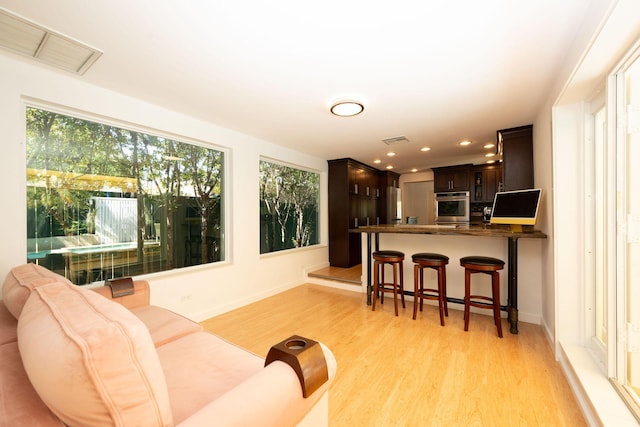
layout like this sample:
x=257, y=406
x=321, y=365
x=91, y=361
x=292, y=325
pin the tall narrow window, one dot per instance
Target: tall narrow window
x=289, y=207
x=632, y=303
x=627, y=373
x=104, y=201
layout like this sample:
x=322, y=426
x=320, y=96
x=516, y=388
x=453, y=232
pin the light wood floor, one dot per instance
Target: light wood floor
x=394, y=371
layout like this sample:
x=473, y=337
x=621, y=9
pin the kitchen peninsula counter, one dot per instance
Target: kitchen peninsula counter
x=479, y=230
x=456, y=241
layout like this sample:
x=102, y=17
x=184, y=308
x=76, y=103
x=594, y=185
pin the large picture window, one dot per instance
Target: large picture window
x=105, y=202
x=288, y=207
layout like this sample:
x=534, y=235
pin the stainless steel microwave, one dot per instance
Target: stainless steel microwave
x=452, y=207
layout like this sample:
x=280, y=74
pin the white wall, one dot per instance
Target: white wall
x=410, y=184
x=568, y=220
x=417, y=201
x=197, y=292
x=542, y=160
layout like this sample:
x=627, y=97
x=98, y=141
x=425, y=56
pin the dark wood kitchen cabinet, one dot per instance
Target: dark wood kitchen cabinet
x=354, y=194
x=516, y=145
x=451, y=178
x=486, y=181
x=389, y=194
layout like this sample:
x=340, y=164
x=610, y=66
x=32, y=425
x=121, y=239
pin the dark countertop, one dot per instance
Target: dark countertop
x=480, y=230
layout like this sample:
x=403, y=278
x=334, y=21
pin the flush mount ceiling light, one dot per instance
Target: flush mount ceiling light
x=347, y=108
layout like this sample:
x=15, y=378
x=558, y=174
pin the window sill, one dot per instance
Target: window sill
x=598, y=399
x=293, y=250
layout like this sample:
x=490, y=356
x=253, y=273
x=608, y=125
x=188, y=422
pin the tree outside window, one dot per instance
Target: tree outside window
x=288, y=207
x=106, y=202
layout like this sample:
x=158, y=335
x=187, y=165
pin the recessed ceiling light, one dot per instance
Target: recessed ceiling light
x=391, y=154
x=389, y=167
x=465, y=143
x=347, y=108
x=425, y=149
x=490, y=161
x=490, y=154
x=376, y=161
x=489, y=145
x=414, y=170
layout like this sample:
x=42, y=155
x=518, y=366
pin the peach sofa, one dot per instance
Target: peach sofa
x=72, y=356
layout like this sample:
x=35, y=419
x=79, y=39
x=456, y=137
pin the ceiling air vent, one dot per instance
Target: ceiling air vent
x=27, y=38
x=395, y=140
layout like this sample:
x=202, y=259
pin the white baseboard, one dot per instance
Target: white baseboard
x=221, y=309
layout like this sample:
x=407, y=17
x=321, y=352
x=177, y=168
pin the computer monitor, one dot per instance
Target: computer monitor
x=516, y=208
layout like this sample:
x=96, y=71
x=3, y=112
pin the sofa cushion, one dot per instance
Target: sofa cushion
x=91, y=360
x=212, y=368
x=165, y=325
x=19, y=402
x=21, y=280
x=8, y=325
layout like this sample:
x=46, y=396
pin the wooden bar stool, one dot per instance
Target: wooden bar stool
x=393, y=258
x=486, y=265
x=437, y=262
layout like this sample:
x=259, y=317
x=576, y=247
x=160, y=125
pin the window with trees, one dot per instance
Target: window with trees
x=289, y=207
x=105, y=202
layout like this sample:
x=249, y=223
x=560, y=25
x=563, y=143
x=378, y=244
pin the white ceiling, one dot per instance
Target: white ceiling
x=436, y=72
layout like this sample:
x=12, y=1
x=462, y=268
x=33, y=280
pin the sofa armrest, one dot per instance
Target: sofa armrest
x=271, y=397
x=140, y=297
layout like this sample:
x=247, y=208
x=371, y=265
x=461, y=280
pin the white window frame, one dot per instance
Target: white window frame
x=594, y=105
x=618, y=368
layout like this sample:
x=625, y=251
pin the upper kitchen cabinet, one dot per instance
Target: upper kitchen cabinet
x=516, y=145
x=363, y=180
x=486, y=180
x=451, y=178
